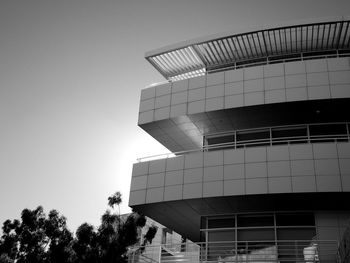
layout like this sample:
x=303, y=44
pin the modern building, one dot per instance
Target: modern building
x=258, y=123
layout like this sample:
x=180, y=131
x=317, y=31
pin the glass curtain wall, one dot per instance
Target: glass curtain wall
x=278, y=235
x=304, y=133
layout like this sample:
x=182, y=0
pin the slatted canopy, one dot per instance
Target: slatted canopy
x=194, y=58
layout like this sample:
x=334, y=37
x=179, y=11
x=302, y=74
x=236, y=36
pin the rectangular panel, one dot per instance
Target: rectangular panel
x=295, y=219
x=217, y=249
x=274, y=83
x=212, y=189
x=296, y=233
x=215, y=91
x=262, y=234
x=255, y=220
x=222, y=222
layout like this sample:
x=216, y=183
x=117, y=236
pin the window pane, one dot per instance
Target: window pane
x=221, y=222
x=296, y=239
x=220, y=139
x=255, y=220
x=290, y=251
x=253, y=135
x=262, y=234
x=289, y=132
x=222, y=235
x=254, y=240
x=225, y=247
x=331, y=129
x=296, y=233
x=290, y=219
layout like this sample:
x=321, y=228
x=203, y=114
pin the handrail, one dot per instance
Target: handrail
x=244, y=251
x=261, y=142
x=157, y=84
x=300, y=56
x=289, y=58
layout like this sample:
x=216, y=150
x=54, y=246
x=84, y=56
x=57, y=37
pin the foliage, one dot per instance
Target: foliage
x=148, y=237
x=4, y=258
x=36, y=238
x=115, y=199
x=41, y=238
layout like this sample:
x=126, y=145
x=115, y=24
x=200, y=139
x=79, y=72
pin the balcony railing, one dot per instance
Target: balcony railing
x=286, y=251
x=303, y=133
x=258, y=62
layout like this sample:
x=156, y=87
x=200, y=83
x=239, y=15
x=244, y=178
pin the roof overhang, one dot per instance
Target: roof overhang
x=194, y=57
x=184, y=216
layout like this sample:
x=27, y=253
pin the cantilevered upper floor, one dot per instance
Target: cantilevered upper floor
x=180, y=114
x=287, y=75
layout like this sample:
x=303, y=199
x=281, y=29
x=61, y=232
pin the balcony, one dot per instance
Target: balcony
x=178, y=114
x=310, y=172
x=282, y=251
x=268, y=136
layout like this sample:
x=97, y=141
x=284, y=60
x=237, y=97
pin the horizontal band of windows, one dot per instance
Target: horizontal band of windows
x=307, y=133
x=256, y=227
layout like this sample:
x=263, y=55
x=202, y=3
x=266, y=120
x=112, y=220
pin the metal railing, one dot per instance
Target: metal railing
x=301, y=56
x=268, y=141
x=286, y=251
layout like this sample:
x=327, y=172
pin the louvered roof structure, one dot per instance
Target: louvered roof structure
x=195, y=57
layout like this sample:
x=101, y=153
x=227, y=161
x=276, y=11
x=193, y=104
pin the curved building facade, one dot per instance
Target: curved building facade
x=258, y=123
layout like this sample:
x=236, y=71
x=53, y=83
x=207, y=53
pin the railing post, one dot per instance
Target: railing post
x=246, y=251
x=235, y=138
x=160, y=254
x=236, y=248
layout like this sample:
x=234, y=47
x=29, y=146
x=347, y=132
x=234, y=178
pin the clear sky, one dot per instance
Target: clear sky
x=71, y=72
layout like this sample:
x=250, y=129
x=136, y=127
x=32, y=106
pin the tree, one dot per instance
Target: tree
x=85, y=244
x=117, y=234
x=148, y=237
x=60, y=237
x=41, y=238
x=8, y=241
x=36, y=238
x=5, y=259
x=109, y=243
x=115, y=199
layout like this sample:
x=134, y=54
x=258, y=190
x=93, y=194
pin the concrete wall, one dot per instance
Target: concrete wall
x=319, y=167
x=292, y=81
